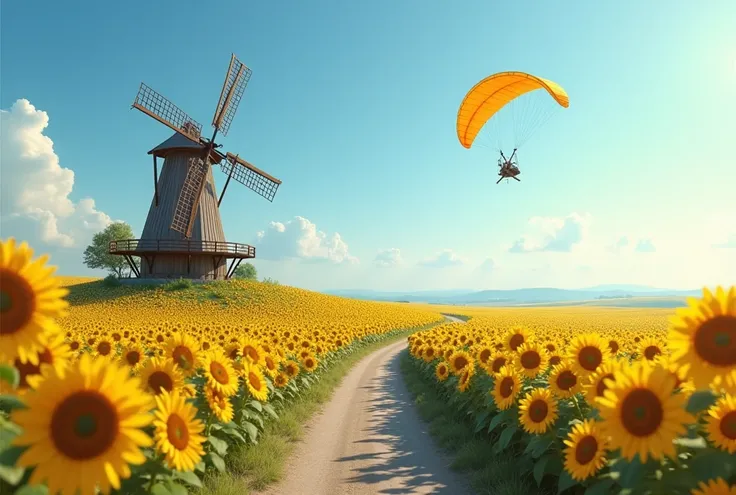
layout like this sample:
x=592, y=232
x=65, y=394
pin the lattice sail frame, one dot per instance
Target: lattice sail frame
x=191, y=189
x=160, y=108
x=232, y=104
x=251, y=177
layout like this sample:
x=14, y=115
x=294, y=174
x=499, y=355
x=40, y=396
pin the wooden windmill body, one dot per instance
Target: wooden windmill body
x=183, y=234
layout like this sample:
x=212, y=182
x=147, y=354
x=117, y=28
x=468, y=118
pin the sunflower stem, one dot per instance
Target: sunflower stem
x=577, y=406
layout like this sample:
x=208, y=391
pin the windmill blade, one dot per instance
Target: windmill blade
x=160, y=108
x=250, y=176
x=186, y=207
x=238, y=75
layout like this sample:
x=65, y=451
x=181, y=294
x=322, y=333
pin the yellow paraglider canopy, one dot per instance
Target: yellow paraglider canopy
x=493, y=93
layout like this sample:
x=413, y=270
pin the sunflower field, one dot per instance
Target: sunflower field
x=596, y=401
x=144, y=389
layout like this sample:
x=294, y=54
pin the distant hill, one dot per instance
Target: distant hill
x=605, y=294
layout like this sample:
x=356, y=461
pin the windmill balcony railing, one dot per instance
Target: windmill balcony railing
x=135, y=247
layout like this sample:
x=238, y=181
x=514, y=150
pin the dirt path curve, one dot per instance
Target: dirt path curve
x=369, y=440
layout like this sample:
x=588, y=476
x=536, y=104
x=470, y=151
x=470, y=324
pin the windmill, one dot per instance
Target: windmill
x=183, y=234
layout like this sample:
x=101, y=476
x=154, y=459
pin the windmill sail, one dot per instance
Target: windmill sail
x=191, y=191
x=238, y=75
x=250, y=176
x=160, y=108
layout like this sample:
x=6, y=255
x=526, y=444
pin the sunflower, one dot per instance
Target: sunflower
x=271, y=364
x=132, y=356
x=537, y=410
x=84, y=429
x=104, y=347
x=704, y=336
x=516, y=337
x=650, y=348
x=184, y=351
x=459, y=361
x=291, y=368
x=281, y=379
x=219, y=372
x=586, y=450
x=30, y=300
x=496, y=362
x=159, y=374
x=506, y=387
x=563, y=381
x=718, y=486
x=178, y=434
x=531, y=359
x=442, y=371
x=587, y=353
x=310, y=363
x=220, y=404
x=640, y=412
x=256, y=382
x=252, y=351
x=55, y=355
x=483, y=355
x=721, y=423
x=598, y=382
x=464, y=381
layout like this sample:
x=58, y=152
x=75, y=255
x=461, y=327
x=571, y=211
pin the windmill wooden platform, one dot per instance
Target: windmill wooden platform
x=183, y=235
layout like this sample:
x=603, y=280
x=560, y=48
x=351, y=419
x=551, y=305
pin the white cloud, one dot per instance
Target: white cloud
x=300, y=239
x=553, y=234
x=35, y=186
x=388, y=257
x=443, y=259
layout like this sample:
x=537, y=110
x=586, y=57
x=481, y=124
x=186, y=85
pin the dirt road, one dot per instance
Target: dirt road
x=369, y=440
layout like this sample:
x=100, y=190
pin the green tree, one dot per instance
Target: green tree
x=97, y=256
x=246, y=271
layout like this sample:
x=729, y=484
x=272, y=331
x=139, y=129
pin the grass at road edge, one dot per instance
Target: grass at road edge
x=256, y=466
x=472, y=454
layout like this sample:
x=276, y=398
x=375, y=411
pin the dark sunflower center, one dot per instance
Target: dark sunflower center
x=84, y=426
x=586, y=449
x=642, y=412
x=177, y=432
x=538, y=410
x=160, y=380
x=104, y=348
x=183, y=357
x=254, y=381
x=566, y=380
x=460, y=363
x=25, y=370
x=74, y=345
x=219, y=373
x=17, y=302
x=531, y=360
x=506, y=388
x=715, y=341
x=251, y=353
x=484, y=356
x=515, y=341
x=613, y=345
x=133, y=357
x=651, y=352
x=590, y=357
x=270, y=363
x=601, y=387
x=728, y=425
x=555, y=360
x=498, y=364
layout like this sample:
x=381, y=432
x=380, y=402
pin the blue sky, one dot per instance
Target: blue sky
x=353, y=106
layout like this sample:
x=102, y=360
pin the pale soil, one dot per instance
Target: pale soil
x=369, y=440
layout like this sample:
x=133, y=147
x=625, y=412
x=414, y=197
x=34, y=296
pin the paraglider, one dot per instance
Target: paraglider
x=500, y=91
